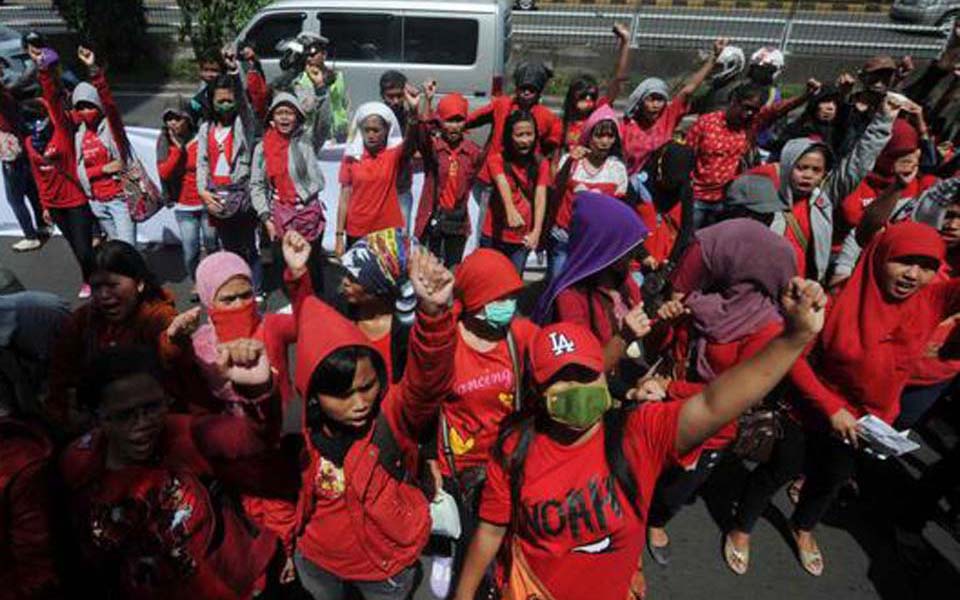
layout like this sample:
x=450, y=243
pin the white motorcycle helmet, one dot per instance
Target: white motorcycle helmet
x=730, y=63
x=771, y=58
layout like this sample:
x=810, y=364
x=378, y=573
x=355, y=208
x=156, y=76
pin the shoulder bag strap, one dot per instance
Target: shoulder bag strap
x=517, y=372
x=797, y=231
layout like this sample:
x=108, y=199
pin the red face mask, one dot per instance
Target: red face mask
x=87, y=116
x=236, y=322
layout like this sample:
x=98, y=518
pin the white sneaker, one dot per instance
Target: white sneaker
x=26, y=245
x=440, y=575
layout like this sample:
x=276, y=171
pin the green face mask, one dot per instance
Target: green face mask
x=225, y=108
x=579, y=407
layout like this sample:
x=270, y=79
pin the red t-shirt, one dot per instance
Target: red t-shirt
x=103, y=186
x=496, y=219
x=801, y=212
x=214, y=150
x=385, y=347
x=183, y=166
x=373, y=203
x=719, y=151
x=640, y=142
x=854, y=205
x=549, y=125
x=576, y=529
x=574, y=130
x=483, y=395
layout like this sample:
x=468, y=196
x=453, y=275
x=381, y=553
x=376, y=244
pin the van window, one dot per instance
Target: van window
x=271, y=30
x=363, y=37
x=440, y=41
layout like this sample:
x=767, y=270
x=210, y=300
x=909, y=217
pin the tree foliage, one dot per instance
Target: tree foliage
x=116, y=28
x=211, y=23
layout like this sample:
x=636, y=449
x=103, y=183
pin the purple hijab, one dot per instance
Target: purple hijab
x=603, y=231
x=746, y=266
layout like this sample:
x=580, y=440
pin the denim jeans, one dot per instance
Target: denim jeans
x=114, y=219
x=517, y=253
x=558, y=251
x=19, y=184
x=196, y=234
x=323, y=585
x=706, y=214
x=406, y=206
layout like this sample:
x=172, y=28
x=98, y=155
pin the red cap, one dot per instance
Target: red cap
x=484, y=276
x=562, y=344
x=451, y=106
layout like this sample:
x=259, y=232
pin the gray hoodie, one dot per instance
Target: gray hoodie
x=304, y=164
x=755, y=191
x=245, y=134
x=85, y=92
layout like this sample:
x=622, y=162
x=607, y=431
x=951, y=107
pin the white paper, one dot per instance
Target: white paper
x=883, y=439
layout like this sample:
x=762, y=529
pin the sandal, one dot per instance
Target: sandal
x=810, y=560
x=738, y=560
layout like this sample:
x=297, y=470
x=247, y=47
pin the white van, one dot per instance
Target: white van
x=464, y=45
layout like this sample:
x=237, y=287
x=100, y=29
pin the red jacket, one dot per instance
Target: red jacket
x=386, y=515
x=163, y=530
x=26, y=560
x=437, y=156
x=55, y=170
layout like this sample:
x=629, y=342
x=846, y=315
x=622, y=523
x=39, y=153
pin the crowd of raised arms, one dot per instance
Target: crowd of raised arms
x=730, y=276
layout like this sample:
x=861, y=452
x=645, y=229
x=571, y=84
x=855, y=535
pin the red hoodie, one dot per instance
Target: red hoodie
x=359, y=521
x=55, y=170
x=26, y=558
x=162, y=528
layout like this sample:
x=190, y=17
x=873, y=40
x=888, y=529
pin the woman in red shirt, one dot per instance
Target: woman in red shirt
x=572, y=477
x=878, y=324
x=489, y=359
x=732, y=300
x=177, y=167
x=514, y=223
x=372, y=161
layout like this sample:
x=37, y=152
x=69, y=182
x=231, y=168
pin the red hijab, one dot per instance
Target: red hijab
x=867, y=338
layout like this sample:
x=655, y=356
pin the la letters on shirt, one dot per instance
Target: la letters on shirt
x=574, y=519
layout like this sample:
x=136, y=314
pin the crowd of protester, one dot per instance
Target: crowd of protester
x=732, y=275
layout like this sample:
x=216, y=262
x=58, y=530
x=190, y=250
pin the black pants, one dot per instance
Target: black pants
x=677, y=486
x=448, y=248
x=829, y=464
x=76, y=224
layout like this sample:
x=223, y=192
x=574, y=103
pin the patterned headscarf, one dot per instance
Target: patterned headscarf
x=378, y=262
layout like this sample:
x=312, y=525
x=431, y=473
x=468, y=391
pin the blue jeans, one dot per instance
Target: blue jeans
x=706, y=214
x=517, y=253
x=196, y=234
x=114, y=219
x=19, y=184
x=558, y=252
x=916, y=401
x=406, y=206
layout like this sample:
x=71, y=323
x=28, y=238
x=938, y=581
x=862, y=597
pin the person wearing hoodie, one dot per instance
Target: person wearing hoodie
x=102, y=149
x=796, y=197
x=573, y=475
x=361, y=522
x=177, y=167
x=225, y=142
x=285, y=177
x=128, y=306
x=52, y=157
x=492, y=343
x=652, y=115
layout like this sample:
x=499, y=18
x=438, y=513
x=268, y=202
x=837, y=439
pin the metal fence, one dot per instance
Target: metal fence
x=40, y=15
x=803, y=28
